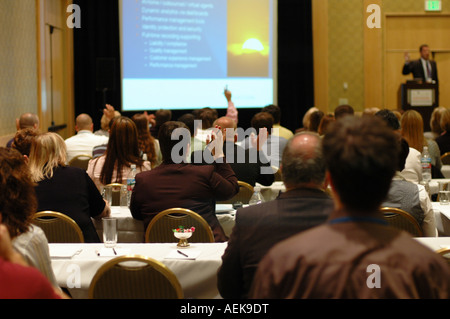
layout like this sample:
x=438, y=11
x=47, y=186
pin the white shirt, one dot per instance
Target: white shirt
x=83, y=143
x=413, y=169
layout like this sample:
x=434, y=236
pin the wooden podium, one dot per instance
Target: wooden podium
x=421, y=97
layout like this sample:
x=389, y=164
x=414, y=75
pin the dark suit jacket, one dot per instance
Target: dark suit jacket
x=187, y=186
x=260, y=227
x=415, y=67
x=245, y=164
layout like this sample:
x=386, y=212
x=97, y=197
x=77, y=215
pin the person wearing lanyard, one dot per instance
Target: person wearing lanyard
x=355, y=254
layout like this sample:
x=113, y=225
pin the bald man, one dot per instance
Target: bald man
x=85, y=140
x=26, y=120
x=305, y=204
x=246, y=167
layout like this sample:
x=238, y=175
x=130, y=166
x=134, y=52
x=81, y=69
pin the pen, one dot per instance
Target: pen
x=182, y=253
x=114, y=251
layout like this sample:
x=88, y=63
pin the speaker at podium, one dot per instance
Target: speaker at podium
x=421, y=97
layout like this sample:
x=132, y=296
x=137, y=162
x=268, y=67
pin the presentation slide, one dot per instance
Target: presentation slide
x=183, y=54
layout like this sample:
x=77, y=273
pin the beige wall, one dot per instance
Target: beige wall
x=18, y=76
x=25, y=73
x=346, y=51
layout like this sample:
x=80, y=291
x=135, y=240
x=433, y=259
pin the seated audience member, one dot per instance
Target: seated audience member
x=443, y=140
x=435, y=123
x=148, y=145
x=122, y=151
x=314, y=121
x=26, y=120
x=412, y=131
x=196, y=143
x=176, y=183
x=390, y=119
x=18, y=205
x=65, y=189
x=278, y=130
x=306, y=119
x=246, y=164
x=23, y=139
x=18, y=280
x=334, y=260
x=325, y=123
x=160, y=117
x=84, y=141
x=108, y=114
x=343, y=110
x=272, y=146
x=206, y=116
x=305, y=204
x=411, y=197
x=412, y=169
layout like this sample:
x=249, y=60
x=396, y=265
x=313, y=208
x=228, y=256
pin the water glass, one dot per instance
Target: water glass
x=109, y=231
x=123, y=196
x=107, y=194
x=444, y=197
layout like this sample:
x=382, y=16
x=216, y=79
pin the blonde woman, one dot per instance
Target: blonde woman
x=412, y=131
x=435, y=123
x=65, y=189
x=444, y=139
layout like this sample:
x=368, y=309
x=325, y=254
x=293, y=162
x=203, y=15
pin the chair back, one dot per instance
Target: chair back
x=58, y=228
x=445, y=253
x=445, y=158
x=400, y=219
x=115, y=193
x=160, y=228
x=81, y=161
x=134, y=277
x=243, y=196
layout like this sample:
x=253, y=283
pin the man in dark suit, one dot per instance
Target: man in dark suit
x=247, y=164
x=423, y=68
x=304, y=204
x=176, y=183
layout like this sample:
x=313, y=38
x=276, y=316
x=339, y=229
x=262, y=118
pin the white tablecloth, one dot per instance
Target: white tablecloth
x=434, y=243
x=197, y=277
x=442, y=216
x=130, y=230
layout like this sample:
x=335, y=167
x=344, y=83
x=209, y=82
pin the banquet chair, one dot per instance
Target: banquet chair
x=160, y=228
x=134, y=277
x=243, y=196
x=80, y=161
x=444, y=252
x=400, y=219
x=115, y=193
x=58, y=228
x=445, y=158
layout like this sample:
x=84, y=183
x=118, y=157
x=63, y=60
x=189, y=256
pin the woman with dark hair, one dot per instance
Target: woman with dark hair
x=65, y=189
x=18, y=203
x=148, y=145
x=122, y=151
